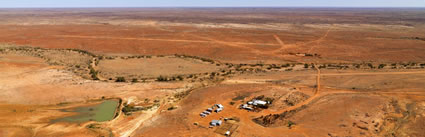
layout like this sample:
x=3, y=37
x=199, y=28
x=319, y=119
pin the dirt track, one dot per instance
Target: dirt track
x=317, y=42
x=237, y=36
x=318, y=94
x=170, y=40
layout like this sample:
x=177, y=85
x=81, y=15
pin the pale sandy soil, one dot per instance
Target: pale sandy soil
x=353, y=102
x=38, y=87
x=154, y=67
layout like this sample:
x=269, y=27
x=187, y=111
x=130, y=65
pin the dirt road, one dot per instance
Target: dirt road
x=153, y=39
x=318, y=41
x=318, y=94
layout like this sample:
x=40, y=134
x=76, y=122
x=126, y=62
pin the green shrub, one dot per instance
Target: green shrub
x=93, y=73
x=171, y=108
x=127, y=109
x=290, y=123
x=381, y=66
x=180, y=77
x=161, y=78
x=305, y=65
x=370, y=65
x=120, y=79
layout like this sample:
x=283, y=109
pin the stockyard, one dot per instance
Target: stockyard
x=89, y=73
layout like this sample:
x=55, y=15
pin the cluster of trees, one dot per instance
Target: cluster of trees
x=182, y=94
x=120, y=79
x=82, y=52
x=127, y=109
x=173, y=78
x=195, y=57
x=93, y=73
x=128, y=57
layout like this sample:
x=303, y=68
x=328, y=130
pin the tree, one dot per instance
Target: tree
x=134, y=80
x=370, y=65
x=180, y=77
x=93, y=73
x=120, y=79
x=161, y=78
x=381, y=66
x=290, y=123
x=171, y=108
x=305, y=65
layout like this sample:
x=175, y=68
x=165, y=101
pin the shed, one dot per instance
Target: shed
x=259, y=102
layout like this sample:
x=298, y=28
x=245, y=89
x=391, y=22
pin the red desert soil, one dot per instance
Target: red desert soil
x=269, y=35
x=320, y=102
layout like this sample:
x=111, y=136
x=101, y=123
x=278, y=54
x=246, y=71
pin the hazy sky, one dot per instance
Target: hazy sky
x=212, y=3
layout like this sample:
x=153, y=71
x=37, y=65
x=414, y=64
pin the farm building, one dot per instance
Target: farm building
x=258, y=102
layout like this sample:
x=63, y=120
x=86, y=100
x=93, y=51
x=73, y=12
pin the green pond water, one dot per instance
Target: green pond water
x=104, y=111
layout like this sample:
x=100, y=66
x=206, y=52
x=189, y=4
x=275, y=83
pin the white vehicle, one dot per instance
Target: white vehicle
x=215, y=122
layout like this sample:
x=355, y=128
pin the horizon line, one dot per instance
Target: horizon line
x=212, y=7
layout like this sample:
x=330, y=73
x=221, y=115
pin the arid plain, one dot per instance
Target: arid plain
x=324, y=72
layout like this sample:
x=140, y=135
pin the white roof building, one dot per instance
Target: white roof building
x=259, y=102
